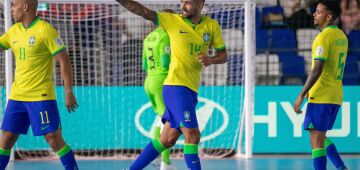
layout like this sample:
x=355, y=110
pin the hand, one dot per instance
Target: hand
x=204, y=59
x=297, y=104
x=70, y=101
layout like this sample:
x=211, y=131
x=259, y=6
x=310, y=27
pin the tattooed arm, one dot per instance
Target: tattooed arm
x=138, y=9
x=311, y=80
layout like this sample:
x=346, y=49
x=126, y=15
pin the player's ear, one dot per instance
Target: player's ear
x=329, y=17
x=26, y=7
x=202, y=3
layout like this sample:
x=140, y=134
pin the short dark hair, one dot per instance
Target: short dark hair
x=333, y=6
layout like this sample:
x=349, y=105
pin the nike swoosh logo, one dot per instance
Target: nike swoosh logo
x=44, y=127
x=183, y=32
x=194, y=162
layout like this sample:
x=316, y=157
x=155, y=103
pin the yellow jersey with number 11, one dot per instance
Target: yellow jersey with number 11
x=33, y=49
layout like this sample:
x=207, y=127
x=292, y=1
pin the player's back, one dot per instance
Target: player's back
x=156, y=52
x=331, y=45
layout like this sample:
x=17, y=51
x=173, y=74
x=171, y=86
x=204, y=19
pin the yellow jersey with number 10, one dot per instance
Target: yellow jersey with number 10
x=33, y=49
x=331, y=45
x=187, y=41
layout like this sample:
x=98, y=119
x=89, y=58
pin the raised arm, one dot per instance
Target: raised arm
x=138, y=9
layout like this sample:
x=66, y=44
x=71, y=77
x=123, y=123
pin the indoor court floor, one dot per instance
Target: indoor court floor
x=268, y=162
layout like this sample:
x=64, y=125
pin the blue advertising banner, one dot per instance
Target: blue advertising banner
x=122, y=118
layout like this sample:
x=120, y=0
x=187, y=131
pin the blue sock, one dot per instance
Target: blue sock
x=4, y=158
x=191, y=156
x=151, y=151
x=319, y=159
x=67, y=158
x=334, y=155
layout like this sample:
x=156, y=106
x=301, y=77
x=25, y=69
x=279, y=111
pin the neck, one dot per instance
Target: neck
x=28, y=20
x=196, y=19
x=326, y=25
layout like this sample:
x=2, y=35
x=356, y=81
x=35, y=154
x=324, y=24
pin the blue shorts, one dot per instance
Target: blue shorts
x=320, y=117
x=180, y=104
x=42, y=115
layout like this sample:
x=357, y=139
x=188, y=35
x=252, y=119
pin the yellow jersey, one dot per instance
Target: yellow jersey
x=331, y=45
x=33, y=49
x=187, y=41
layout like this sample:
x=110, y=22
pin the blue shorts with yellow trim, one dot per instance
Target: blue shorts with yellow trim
x=43, y=116
x=320, y=117
x=180, y=103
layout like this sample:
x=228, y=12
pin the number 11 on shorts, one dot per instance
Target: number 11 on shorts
x=42, y=117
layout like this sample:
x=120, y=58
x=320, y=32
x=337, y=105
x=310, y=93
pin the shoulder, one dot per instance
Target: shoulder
x=169, y=15
x=341, y=33
x=149, y=35
x=209, y=21
x=46, y=26
x=212, y=24
x=14, y=27
x=323, y=36
x=162, y=33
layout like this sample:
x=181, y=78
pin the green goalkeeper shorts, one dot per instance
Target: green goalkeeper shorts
x=153, y=87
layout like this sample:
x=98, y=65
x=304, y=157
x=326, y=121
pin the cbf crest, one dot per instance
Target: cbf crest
x=32, y=40
x=187, y=116
x=206, y=37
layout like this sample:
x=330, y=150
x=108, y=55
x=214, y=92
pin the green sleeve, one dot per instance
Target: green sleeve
x=157, y=22
x=165, y=51
x=144, y=60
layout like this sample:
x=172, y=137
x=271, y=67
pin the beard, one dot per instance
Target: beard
x=187, y=14
x=317, y=24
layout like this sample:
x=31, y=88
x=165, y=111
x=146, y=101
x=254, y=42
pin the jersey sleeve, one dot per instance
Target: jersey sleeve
x=321, y=48
x=53, y=41
x=164, y=20
x=4, y=41
x=165, y=51
x=218, y=41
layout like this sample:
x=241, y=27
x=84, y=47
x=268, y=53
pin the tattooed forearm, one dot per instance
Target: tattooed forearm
x=313, y=77
x=138, y=9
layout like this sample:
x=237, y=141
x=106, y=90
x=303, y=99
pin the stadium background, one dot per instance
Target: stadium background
x=284, y=35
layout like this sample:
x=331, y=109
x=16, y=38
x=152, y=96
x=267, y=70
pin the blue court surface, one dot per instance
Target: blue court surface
x=268, y=162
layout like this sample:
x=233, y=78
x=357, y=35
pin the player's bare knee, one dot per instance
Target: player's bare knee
x=168, y=142
x=318, y=144
x=192, y=136
x=8, y=139
x=55, y=140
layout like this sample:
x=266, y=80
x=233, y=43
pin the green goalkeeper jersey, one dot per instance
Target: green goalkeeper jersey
x=156, y=52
